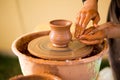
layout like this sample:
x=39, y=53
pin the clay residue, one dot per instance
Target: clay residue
x=89, y=36
x=22, y=45
x=96, y=49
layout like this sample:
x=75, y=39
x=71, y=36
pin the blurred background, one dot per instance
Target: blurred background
x=18, y=17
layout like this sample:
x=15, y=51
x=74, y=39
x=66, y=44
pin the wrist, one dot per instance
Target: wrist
x=112, y=32
x=105, y=31
x=91, y=3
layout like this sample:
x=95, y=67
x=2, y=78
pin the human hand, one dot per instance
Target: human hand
x=96, y=35
x=88, y=12
x=92, y=36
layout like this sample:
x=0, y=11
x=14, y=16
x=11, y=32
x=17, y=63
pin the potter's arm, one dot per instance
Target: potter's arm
x=108, y=30
x=111, y=30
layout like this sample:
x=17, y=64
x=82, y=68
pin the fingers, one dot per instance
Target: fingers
x=94, y=38
x=81, y=21
x=96, y=20
x=78, y=19
x=89, y=30
x=86, y=20
x=83, y=18
x=78, y=31
x=99, y=28
x=87, y=42
x=76, y=34
x=91, y=37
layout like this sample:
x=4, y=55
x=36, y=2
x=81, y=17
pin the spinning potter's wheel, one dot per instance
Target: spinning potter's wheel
x=58, y=45
x=43, y=48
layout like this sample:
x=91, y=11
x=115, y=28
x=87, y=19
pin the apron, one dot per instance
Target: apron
x=114, y=44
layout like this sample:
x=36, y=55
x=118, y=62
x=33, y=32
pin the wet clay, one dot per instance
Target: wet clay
x=75, y=69
x=88, y=32
x=59, y=45
x=56, y=52
x=60, y=34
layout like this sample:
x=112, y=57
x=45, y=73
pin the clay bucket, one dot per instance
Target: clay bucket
x=81, y=69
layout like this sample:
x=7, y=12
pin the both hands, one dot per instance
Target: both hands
x=92, y=36
x=88, y=12
x=95, y=35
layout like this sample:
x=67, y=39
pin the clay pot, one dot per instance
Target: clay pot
x=36, y=77
x=60, y=34
x=78, y=69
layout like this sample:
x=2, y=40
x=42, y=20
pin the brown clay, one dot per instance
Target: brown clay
x=60, y=34
x=59, y=45
x=36, y=77
x=88, y=40
x=42, y=47
x=77, y=69
x=78, y=31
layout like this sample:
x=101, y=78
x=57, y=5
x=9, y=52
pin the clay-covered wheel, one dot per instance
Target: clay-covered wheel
x=42, y=48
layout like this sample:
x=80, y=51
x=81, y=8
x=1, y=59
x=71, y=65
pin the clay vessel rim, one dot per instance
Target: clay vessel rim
x=36, y=60
x=51, y=76
x=60, y=23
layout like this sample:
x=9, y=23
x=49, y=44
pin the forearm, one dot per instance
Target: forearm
x=113, y=32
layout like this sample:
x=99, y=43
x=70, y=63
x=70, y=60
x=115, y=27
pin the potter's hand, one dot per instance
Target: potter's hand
x=92, y=36
x=96, y=35
x=87, y=13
